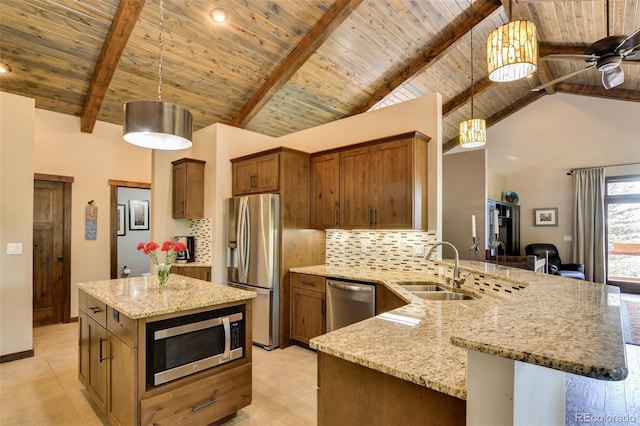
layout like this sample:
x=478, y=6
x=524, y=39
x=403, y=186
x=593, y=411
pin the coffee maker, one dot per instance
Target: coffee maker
x=189, y=255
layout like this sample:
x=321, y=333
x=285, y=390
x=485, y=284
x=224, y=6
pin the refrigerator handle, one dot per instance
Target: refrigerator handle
x=244, y=238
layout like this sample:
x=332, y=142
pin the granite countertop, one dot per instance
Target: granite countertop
x=192, y=265
x=569, y=325
x=140, y=297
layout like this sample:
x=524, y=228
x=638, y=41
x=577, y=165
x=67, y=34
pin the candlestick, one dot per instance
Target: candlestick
x=473, y=226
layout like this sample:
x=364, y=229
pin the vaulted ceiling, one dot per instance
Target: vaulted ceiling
x=280, y=66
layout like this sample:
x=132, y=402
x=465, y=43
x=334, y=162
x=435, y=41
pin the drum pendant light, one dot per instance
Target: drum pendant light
x=157, y=124
x=473, y=132
x=512, y=50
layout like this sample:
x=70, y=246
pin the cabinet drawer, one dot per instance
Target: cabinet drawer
x=308, y=282
x=123, y=327
x=97, y=310
x=201, y=402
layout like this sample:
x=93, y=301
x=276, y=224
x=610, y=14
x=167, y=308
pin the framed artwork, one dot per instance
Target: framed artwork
x=138, y=215
x=120, y=220
x=545, y=217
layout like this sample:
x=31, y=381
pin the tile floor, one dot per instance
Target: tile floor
x=44, y=390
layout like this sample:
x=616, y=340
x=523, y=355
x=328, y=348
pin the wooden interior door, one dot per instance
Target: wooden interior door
x=48, y=253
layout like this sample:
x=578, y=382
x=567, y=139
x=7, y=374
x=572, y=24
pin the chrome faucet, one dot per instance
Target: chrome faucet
x=457, y=280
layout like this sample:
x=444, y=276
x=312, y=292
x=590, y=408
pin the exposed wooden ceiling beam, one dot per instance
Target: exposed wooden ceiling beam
x=545, y=49
x=500, y=115
x=121, y=28
x=335, y=15
x=464, y=97
x=431, y=55
x=599, y=92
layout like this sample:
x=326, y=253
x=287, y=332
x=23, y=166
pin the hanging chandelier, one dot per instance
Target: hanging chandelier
x=473, y=132
x=512, y=50
x=157, y=124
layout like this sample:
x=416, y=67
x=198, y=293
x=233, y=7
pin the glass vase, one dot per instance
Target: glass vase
x=163, y=274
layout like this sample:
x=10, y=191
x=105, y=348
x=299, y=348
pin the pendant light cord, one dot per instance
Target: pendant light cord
x=471, y=55
x=160, y=51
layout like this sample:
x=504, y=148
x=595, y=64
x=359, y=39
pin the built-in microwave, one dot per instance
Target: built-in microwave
x=178, y=347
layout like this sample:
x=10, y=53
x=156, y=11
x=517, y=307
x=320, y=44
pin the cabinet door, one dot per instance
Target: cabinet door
x=98, y=363
x=267, y=173
x=198, y=272
x=307, y=314
x=325, y=191
x=392, y=204
x=244, y=173
x=83, y=348
x=179, y=191
x=121, y=378
x=355, y=187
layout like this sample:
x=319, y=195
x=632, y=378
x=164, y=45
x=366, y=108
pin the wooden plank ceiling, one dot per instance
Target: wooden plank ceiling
x=280, y=66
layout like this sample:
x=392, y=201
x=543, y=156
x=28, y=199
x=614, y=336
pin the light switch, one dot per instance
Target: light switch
x=14, y=248
x=568, y=238
x=418, y=250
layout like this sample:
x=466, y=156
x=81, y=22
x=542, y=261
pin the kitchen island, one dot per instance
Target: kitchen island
x=521, y=317
x=117, y=319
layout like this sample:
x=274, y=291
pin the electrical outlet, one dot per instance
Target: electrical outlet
x=418, y=250
x=364, y=249
x=568, y=238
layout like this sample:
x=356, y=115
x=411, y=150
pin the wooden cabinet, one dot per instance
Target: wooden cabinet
x=114, y=374
x=325, y=191
x=199, y=402
x=188, y=189
x=307, y=307
x=255, y=175
x=386, y=300
x=381, y=184
x=198, y=272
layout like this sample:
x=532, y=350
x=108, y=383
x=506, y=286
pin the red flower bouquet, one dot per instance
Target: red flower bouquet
x=171, y=249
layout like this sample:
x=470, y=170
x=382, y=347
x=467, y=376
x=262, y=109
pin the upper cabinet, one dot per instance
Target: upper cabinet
x=256, y=174
x=188, y=189
x=381, y=184
x=325, y=184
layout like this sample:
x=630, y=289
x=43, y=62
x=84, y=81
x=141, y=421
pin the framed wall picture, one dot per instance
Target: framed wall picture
x=545, y=217
x=120, y=220
x=138, y=215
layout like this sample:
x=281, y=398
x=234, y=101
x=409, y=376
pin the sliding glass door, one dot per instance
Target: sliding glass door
x=622, y=204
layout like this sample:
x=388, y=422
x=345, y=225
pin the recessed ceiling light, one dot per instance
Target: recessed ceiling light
x=218, y=15
x=4, y=68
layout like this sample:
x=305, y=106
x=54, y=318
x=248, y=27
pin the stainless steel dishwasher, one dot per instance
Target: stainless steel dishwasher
x=349, y=302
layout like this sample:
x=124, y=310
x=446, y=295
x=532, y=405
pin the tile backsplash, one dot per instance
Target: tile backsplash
x=202, y=230
x=385, y=250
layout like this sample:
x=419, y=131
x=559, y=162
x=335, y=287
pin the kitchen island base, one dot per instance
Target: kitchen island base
x=352, y=394
x=113, y=359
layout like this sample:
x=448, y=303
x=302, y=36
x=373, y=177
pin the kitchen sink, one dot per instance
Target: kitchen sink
x=442, y=295
x=420, y=286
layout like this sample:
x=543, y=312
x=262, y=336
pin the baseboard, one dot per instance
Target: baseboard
x=73, y=319
x=16, y=356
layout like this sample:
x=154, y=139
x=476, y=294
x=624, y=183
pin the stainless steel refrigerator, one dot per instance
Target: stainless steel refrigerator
x=253, y=260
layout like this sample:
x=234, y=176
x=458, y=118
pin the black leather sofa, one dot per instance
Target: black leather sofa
x=556, y=267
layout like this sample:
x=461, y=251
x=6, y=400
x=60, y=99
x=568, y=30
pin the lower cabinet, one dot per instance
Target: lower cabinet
x=196, y=403
x=386, y=300
x=112, y=370
x=308, y=307
x=198, y=272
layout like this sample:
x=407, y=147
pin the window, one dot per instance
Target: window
x=622, y=204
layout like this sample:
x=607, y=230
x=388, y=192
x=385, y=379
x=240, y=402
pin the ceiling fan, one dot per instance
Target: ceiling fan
x=605, y=55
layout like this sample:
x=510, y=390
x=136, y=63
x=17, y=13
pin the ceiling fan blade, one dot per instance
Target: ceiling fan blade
x=559, y=79
x=629, y=43
x=559, y=57
x=613, y=78
x=633, y=56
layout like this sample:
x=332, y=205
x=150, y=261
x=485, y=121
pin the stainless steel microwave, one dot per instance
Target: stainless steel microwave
x=178, y=347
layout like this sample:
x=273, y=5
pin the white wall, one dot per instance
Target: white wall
x=464, y=188
x=558, y=133
x=17, y=117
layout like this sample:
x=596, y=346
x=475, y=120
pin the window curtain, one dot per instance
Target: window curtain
x=588, y=223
